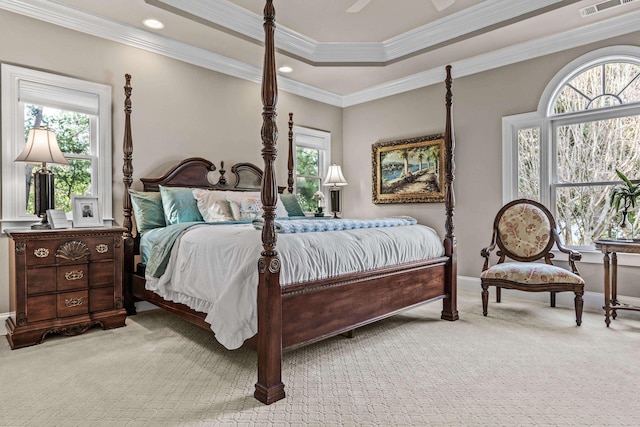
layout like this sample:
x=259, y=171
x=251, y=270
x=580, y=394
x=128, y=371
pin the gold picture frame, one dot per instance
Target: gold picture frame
x=408, y=170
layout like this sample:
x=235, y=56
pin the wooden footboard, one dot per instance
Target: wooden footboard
x=313, y=311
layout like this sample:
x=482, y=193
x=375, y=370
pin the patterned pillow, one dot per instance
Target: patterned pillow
x=245, y=208
x=148, y=211
x=179, y=205
x=290, y=202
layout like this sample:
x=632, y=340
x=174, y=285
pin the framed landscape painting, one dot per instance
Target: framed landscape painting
x=408, y=170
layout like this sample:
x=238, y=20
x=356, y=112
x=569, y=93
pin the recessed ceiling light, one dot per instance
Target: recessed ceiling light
x=153, y=23
x=285, y=69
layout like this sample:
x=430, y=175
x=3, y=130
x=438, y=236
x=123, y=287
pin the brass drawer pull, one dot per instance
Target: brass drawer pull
x=41, y=252
x=102, y=248
x=74, y=275
x=73, y=302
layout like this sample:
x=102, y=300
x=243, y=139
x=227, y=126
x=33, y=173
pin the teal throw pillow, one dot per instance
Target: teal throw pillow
x=290, y=202
x=148, y=211
x=179, y=205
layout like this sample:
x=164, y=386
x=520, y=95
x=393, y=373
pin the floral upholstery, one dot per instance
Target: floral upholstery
x=531, y=273
x=524, y=230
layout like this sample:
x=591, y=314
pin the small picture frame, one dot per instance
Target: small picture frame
x=86, y=212
x=57, y=218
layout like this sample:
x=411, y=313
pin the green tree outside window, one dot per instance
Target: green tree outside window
x=73, y=132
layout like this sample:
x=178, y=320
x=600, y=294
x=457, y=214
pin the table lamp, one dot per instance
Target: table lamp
x=42, y=147
x=334, y=181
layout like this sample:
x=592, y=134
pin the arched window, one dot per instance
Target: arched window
x=566, y=154
x=608, y=84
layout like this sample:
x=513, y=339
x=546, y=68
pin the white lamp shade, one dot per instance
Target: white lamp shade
x=42, y=147
x=335, y=177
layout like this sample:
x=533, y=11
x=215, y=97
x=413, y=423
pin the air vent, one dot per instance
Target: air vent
x=599, y=7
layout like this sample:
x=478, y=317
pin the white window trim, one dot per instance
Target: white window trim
x=13, y=139
x=510, y=127
x=316, y=139
x=546, y=121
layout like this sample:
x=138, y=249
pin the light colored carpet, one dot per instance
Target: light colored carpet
x=525, y=365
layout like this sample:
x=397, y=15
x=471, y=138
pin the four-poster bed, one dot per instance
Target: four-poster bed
x=294, y=314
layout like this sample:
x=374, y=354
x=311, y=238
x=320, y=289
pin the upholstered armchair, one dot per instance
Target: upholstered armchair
x=525, y=233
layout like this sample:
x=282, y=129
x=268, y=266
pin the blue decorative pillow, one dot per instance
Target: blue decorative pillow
x=290, y=202
x=179, y=205
x=148, y=211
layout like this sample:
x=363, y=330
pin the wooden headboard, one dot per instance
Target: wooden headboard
x=196, y=172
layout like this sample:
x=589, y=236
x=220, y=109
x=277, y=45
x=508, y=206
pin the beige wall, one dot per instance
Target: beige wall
x=480, y=102
x=179, y=110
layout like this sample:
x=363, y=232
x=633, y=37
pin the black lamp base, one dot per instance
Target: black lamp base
x=41, y=226
x=335, y=201
x=43, y=196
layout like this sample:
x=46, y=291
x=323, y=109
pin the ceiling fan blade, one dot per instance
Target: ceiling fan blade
x=358, y=6
x=442, y=4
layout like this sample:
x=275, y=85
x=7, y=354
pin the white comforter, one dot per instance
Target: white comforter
x=213, y=269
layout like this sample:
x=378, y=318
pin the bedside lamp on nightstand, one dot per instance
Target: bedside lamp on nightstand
x=334, y=181
x=42, y=147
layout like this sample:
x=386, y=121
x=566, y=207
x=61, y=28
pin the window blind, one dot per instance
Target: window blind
x=58, y=97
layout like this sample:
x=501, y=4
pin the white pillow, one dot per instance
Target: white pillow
x=214, y=206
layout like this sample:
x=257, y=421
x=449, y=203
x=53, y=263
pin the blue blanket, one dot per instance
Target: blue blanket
x=330, y=224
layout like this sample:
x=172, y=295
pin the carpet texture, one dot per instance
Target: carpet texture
x=526, y=364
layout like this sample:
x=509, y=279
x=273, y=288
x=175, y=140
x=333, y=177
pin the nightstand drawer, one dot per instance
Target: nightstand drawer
x=100, y=247
x=101, y=273
x=101, y=299
x=73, y=277
x=41, y=280
x=41, y=308
x=41, y=252
x=73, y=303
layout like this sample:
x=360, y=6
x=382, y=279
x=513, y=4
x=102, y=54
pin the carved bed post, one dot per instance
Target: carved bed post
x=127, y=172
x=127, y=149
x=450, y=303
x=269, y=387
x=290, y=160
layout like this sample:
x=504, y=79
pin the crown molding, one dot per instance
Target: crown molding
x=235, y=19
x=58, y=14
x=454, y=27
x=591, y=33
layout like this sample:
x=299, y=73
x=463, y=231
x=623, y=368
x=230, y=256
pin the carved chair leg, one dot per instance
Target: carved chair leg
x=553, y=299
x=578, y=302
x=498, y=294
x=485, y=298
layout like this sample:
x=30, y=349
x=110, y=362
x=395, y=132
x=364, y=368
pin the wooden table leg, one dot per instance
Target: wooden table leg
x=607, y=289
x=614, y=284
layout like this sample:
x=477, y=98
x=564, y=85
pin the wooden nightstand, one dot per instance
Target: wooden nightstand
x=64, y=282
